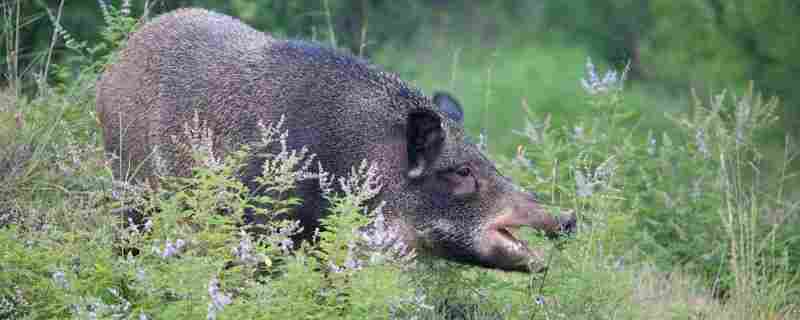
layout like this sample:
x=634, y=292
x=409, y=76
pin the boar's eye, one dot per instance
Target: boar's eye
x=461, y=181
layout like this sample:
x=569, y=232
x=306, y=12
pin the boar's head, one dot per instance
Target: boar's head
x=457, y=205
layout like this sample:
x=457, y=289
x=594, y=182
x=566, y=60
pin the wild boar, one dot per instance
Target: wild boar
x=442, y=191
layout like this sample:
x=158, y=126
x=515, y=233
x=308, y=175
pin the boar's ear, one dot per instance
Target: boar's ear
x=425, y=139
x=449, y=106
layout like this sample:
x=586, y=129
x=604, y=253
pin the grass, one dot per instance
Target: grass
x=679, y=215
x=493, y=84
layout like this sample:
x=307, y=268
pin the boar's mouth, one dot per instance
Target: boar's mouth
x=500, y=248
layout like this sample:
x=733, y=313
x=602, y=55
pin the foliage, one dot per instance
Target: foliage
x=699, y=201
x=112, y=267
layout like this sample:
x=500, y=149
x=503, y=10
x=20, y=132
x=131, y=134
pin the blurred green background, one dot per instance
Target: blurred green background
x=495, y=54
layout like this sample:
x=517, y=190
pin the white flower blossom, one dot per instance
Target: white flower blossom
x=218, y=299
x=611, y=81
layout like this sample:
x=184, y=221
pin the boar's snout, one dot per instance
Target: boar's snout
x=500, y=248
